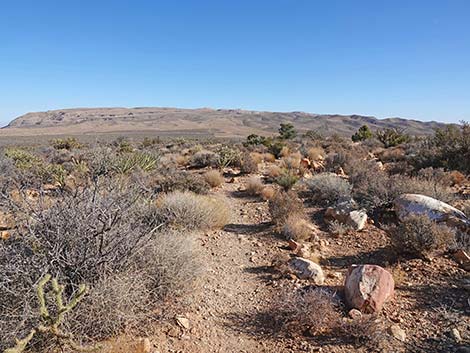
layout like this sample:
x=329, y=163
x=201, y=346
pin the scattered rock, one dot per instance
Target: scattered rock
x=306, y=269
x=463, y=259
x=183, y=322
x=456, y=335
x=345, y=213
x=397, y=332
x=414, y=204
x=368, y=287
x=4, y=234
x=355, y=314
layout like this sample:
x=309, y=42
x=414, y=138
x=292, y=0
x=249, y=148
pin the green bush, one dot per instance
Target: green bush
x=328, y=188
x=287, y=131
x=392, y=137
x=362, y=134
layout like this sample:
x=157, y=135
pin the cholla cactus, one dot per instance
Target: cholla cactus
x=51, y=324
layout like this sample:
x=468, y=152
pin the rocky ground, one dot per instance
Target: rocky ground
x=230, y=310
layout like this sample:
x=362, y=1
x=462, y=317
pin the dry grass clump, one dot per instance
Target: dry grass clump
x=339, y=229
x=287, y=179
x=283, y=205
x=248, y=164
x=213, y=178
x=328, y=188
x=186, y=210
x=182, y=160
x=257, y=157
x=297, y=228
x=284, y=152
x=315, y=153
x=268, y=193
x=421, y=236
x=274, y=171
x=269, y=157
x=254, y=186
x=104, y=238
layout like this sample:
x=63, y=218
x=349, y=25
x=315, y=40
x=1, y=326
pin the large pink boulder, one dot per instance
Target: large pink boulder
x=368, y=287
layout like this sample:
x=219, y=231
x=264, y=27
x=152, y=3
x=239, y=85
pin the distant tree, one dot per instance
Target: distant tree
x=362, y=134
x=287, y=131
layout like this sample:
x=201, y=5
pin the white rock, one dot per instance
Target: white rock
x=306, y=269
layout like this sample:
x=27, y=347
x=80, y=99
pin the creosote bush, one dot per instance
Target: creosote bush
x=421, y=236
x=104, y=237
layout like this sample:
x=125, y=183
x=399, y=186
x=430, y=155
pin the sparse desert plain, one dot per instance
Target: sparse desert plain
x=266, y=233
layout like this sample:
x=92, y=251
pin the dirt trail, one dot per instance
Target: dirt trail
x=224, y=312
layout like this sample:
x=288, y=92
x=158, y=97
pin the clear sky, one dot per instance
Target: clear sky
x=408, y=58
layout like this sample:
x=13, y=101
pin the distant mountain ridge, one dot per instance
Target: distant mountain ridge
x=216, y=122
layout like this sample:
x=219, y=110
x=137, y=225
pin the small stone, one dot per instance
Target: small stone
x=183, y=322
x=398, y=333
x=456, y=335
x=306, y=269
x=355, y=314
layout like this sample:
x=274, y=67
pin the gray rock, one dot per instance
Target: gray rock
x=414, y=204
x=346, y=213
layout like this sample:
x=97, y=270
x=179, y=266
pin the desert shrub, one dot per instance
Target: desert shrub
x=313, y=310
x=287, y=131
x=421, y=236
x=449, y=148
x=228, y=156
x=315, y=153
x=291, y=161
x=187, y=210
x=276, y=148
x=22, y=159
x=248, y=164
x=254, y=186
x=297, y=228
x=68, y=143
x=287, y=179
x=148, y=142
x=362, y=134
x=123, y=145
x=392, y=137
x=98, y=237
x=205, y=158
x=169, y=179
x=369, y=332
x=283, y=205
x=255, y=140
x=182, y=160
x=328, y=188
x=213, y=178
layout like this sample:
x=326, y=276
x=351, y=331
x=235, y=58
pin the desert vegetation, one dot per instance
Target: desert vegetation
x=271, y=239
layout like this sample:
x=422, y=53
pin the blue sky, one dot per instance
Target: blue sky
x=382, y=58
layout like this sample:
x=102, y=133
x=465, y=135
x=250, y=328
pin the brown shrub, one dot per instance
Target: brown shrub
x=182, y=160
x=268, y=193
x=313, y=310
x=292, y=161
x=248, y=164
x=254, y=186
x=168, y=180
x=297, y=228
x=283, y=205
x=269, y=157
x=213, y=178
x=315, y=153
x=421, y=236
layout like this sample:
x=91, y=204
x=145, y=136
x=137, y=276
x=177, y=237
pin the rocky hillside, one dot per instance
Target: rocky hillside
x=217, y=122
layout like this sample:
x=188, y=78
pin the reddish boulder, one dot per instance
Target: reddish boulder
x=368, y=287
